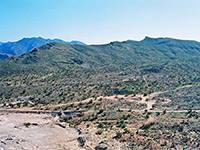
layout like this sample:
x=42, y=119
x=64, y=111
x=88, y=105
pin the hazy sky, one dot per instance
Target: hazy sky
x=99, y=21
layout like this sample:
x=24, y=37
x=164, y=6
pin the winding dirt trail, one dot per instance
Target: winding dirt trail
x=147, y=99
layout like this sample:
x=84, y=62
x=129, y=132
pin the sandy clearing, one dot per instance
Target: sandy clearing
x=45, y=136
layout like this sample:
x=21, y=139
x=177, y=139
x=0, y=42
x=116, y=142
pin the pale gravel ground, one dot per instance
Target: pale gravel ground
x=46, y=136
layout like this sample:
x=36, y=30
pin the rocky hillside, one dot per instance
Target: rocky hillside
x=115, y=55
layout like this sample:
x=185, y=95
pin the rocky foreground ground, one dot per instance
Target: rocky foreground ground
x=35, y=131
x=30, y=131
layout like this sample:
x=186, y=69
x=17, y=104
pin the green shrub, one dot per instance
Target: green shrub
x=27, y=124
x=118, y=134
x=99, y=132
x=100, y=111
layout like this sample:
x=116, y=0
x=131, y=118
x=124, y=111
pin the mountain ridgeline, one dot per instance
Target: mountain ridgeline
x=27, y=44
x=60, y=56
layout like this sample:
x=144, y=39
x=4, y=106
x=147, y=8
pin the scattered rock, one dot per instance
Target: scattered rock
x=9, y=138
x=82, y=141
x=103, y=145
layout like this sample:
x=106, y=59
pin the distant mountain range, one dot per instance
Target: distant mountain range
x=60, y=56
x=27, y=44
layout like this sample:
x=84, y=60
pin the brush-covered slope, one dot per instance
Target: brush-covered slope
x=58, y=56
x=57, y=72
x=27, y=44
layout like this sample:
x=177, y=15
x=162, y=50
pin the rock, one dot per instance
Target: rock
x=82, y=141
x=3, y=142
x=9, y=138
x=102, y=146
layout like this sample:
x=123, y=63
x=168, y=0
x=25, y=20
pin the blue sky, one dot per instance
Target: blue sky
x=99, y=21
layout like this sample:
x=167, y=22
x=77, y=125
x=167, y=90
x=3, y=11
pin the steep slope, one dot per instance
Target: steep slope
x=27, y=44
x=3, y=55
x=115, y=55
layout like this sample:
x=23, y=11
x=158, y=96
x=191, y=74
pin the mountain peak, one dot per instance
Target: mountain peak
x=147, y=38
x=77, y=42
x=150, y=39
x=159, y=40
